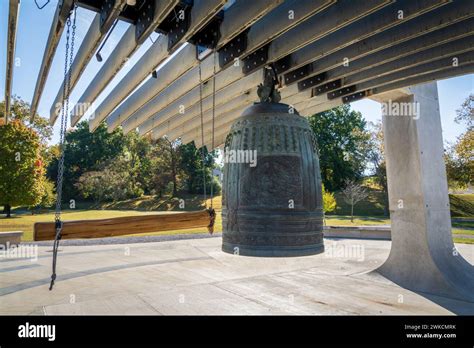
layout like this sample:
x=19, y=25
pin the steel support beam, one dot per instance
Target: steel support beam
x=436, y=38
x=100, y=25
x=234, y=106
x=163, y=93
x=318, y=106
x=320, y=62
x=117, y=59
x=420, y=69
x=194, y=124
x=14, y=8
x=388, y=17
x=125, y=48
x=449, y=50
x=300, y=34
x=241, y=15
x=290, y=94
x=157, y=54
x=62, y=13
x=171, y=119
x=434, y=76
x=439, y=57
x=336, y=17
x=172, y=94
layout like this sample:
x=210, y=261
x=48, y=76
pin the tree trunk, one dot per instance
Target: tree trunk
x=7, y=209
x=175, y=182
x=386, y=210
x=174, y=170
x=352, y=212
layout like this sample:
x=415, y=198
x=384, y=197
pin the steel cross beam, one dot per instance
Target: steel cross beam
x=432, y=71
x=13, y=12
x=62, y=13
x=454, y=60
x=422, y=61
x=300, y=34
x=388, y=17
x=438, y=75
x=232, y=107
x=411, y=81
x=125, y=48
x=100, y=25
x=426, y=24
x=158, y=53
x=200, y=14
x=332, y=58
x=172, y=121
x=405, y=48
x=351, y=83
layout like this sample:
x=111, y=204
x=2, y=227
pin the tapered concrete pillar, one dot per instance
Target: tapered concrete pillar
x=423, y=256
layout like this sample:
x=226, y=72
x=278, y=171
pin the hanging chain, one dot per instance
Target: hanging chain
x=213, y=122
x=202, y=137
x=62, y=134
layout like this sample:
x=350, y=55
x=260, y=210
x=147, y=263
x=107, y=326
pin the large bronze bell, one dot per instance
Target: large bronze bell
x=272, y=206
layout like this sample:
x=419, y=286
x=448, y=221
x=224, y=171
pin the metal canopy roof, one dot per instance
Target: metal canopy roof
x=326, y=53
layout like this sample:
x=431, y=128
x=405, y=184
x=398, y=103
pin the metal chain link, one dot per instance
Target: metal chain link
x=62, y=134
x=202, y=137
x=213, y=124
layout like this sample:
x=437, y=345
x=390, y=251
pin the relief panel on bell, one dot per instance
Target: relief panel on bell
x=272, y=183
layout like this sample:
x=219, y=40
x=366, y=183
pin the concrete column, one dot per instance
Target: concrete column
x=423, y=256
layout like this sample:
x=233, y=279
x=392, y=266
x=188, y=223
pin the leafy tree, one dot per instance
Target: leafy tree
x=137, y=153
x=20, y=111
x=109, y=184
x=342, y=138
x=466, y=112
x=20, y=116
x=353, y=193
x=21, y=166
x=329, y=202
x=86, y=151
x=376, y=155
x=459, y=157
x=195, y=173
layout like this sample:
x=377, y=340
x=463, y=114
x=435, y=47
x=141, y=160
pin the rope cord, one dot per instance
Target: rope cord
x=64, y=113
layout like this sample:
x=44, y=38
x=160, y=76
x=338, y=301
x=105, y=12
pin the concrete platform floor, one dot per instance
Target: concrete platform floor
x=195, y=277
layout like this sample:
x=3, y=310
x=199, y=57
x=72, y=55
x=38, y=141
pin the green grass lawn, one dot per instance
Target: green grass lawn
x=462, y=205
x=24, y=222
x=369, y=212
x=334, y=220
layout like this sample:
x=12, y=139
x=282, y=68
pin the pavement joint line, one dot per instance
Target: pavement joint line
x=141, y=297
x=254, y=300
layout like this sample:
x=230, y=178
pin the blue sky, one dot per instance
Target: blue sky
x=33, y=30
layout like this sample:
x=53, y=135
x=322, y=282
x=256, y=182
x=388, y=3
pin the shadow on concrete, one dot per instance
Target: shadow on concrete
x=62, y=277
x=455, y=306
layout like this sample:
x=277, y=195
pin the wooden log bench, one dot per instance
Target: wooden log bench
x=126, y=225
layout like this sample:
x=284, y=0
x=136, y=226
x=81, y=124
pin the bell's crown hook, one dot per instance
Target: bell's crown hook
x=267, y=90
